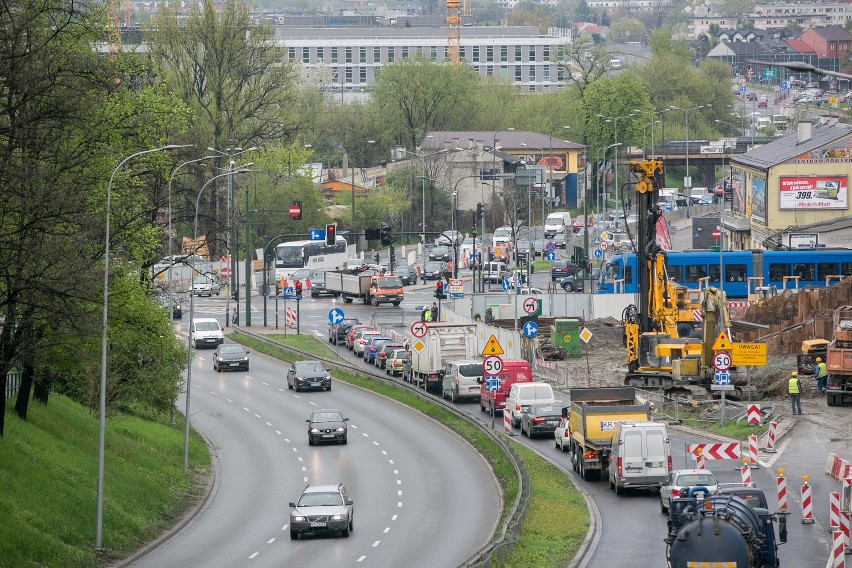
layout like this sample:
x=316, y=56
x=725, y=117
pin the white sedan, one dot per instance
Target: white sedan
x=679, y=482
x=562, y=436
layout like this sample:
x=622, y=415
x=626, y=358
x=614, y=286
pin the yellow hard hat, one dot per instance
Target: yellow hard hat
x=794, y=374
x=819, y=359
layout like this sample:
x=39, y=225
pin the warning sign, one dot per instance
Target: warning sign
x=749, y=354
x=722, y=343
x=492, y=347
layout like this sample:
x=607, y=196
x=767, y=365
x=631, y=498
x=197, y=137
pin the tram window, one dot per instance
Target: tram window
x=715, y=271
x=628, y=275
x=778, y=271
x=735, y=272
x=675, y=273
x=804, y=271
x=695, y=272
x=826, y=269
x=846, y=268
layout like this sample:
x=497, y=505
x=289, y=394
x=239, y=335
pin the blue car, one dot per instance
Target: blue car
x=375, y=345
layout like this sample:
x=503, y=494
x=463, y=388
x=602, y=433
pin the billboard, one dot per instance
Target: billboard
x=758, y=199
x=813, y=192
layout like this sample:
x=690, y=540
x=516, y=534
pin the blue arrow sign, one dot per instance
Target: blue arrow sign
x=317, y=234
x=530, y=329
x=289, y=292
x=550, y=256
x=335, y=316
x=505, y=284
x=472, y=259
x=598, y=253
x=550, y=246
x=492, y=384
x=456, y=294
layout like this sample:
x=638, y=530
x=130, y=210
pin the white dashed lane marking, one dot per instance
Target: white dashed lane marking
x=375, y=544
x=253, y=555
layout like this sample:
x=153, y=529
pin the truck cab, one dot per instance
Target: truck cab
x=386, y=288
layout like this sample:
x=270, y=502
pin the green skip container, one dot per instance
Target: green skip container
x=565, y=333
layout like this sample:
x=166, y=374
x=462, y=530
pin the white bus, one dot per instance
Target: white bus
x=314, y=255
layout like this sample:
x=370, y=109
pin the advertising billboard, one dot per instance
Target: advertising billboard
x=813, y=192
x=758, y=199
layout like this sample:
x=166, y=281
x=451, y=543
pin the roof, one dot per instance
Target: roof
x=506, y=139
x=788, y=147
x=799, y=46
x=322, y=488
x=831, y=33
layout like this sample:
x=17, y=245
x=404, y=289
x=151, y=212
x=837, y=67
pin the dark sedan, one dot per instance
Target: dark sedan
x=562, y=268
x=406, y=274
x=541, y=420
x=230, y=357
x=440, y=253
x=171, y=302
x=337, y=332
x=327, y=425
x=305, y=375
x=435, y=270
x=572, y=283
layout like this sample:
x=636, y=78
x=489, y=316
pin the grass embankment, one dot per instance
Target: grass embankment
x=48, y=484
x=738, y=431
x=557, y=519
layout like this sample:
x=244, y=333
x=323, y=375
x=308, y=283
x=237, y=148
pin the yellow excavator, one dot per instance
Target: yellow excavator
x=657, y=355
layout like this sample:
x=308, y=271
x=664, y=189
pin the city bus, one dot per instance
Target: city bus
x=689, y=267
x=314, y=255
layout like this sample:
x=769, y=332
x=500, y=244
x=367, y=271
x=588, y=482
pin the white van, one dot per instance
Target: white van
x=495, y=271
x=522, y=395
x=557, y=223
x=501, y=236
x=206, y=332
x=640, y=455
x=462, y=380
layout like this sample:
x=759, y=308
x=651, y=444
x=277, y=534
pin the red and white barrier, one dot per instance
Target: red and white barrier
x=746, y=473
x=781, y=484
x=838, y=554
x=807, y=502
x=719, y=451
x=844, y=528
x=837, y=467
x=844, y=470
x=290, y=317
x=753, y=415
x=752, y=451
x=507, y=421
x=829, y=464
x=700, y=461
x=770, y=442
x=846, y=495
x=834, y=510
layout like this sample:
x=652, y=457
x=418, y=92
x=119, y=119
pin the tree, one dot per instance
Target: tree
x=626, y=30
x=583, y=63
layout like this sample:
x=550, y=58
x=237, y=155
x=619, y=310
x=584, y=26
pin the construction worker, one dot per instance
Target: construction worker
x=821, y=372
x=427, y=315
x=794, y=388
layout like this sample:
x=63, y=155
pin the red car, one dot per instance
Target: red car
x=578, y=222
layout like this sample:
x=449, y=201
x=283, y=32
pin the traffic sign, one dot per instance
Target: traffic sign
x=289, y=292
x=295, y=210
x=550, y=256
x=749, y=354
x=721, y=343
x=604, y=236
x=418, y=346
x=717, y=234
x=492, y=365
x=604, y=245
x=505, y=284
x=317, y=234
x=472, y=258
x=722, y=381
x=225, y=272
x=492, y=384
x=530, y=329
x=598, y=253
x=493, y=347
x=419, y=329
x=586, y=335
x=335, y=316
x=550, y=246
x=597, y=240
x=531, y=305
x=722, y=360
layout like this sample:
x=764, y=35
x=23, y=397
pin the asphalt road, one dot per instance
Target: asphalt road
x=413, y=483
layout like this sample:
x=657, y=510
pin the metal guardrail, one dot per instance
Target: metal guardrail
x=507, y=535
x=13, y=383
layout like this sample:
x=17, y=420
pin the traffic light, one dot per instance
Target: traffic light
x=298, y=290
x=439, y=291
x=330, y=234
x=479, y=212
x=385, y=235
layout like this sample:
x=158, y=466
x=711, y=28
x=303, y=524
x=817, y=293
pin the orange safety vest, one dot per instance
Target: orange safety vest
x=793, y=385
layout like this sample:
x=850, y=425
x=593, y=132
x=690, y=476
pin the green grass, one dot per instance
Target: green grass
x=305, y=342
x=544, y=541
x=48, y=483
x=739, y=431
x=540, y=265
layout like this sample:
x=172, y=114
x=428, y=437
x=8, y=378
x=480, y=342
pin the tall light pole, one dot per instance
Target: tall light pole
x=353, y=184
x=687, y=181
x=615, y=120
x=529, y=190
x=191, y=307
x=517, y=287
x=494, y=149
x=99, y=515
x=644, y=142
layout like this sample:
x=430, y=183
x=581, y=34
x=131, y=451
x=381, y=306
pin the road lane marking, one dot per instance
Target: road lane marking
x=229, y=400
x=398, y=504
x=282, y=390
x=271, y=540
x=284, y=528
x=278, y=432
x=375, y=443
x=213, y=393
x=264, y=384
x=365, y=434
x=295, y=450
x=394, y=517
x=246, y=409
x=253, y=555
x=399, y=482
x=396, y=472
x=384, y=453
x=269, y=424
x=375, y=544
x=361, y=559
x=312, y=402
x=387, y=530
x=399, y=493
x=300, y=458
x=257, y=415
x=389, y=461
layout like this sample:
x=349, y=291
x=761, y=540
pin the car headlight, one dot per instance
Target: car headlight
x=297, y=518
x=177, y=306
x=314, y=431
x=220, y=359
x=328, y=377
x=341, y=429
x=337, y=517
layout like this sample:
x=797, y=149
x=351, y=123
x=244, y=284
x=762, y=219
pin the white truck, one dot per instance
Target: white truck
x=443, y=342
x=370, y=287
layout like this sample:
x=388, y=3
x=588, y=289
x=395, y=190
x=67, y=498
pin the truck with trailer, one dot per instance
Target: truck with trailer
x=443, y=342
x=837, y=356
x=592, y=415
x=369, y=286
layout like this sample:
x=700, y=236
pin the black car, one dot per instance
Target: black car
x=305, y=375
x=572, y=283
x=562, y=268
x=318, y=285
x=322, y=509
x=406, y=274
x=171, y=302
x=230, y=357
x=541, y=420
x=327, y=425
x=435, y=270
x=440, y=252
x=337, y=332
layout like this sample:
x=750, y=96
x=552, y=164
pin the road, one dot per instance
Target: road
x=411, y=480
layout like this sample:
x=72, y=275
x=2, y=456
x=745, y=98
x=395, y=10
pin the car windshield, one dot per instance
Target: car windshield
x=302, y=274
x=203, y=281
x=471, y=370
x=206, y=326
x=379, y=341
x=502, y=232
x=320, y=500
x=318, y=278
x=440, y=250
x=327, y=417
x=231, y=349
x=390, y=282
x=403, y=270
x=545, y=410
x=310, y=366
x=693, y=479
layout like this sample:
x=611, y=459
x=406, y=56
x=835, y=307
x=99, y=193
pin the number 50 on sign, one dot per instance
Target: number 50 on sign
x=492, y=365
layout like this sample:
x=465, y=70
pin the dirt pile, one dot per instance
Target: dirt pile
x=784, y=306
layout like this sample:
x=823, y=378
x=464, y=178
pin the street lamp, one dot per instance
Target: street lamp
x=230, y=172
x=688, y=180
x=99, y=517
x=453, y=233
x=615, y=133
x=353, y=186
x=586, y=210
x=529, y=190
x=514, y=244
x=644, y=142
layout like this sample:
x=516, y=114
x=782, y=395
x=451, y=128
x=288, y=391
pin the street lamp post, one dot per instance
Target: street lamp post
x=615, y=120
x=517, y=287
x=353, y=186
x=687, y=182
x=99, y=516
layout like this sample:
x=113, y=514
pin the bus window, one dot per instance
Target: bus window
x=695, y=272
x=735, y=272
x=804, y=271
x=826, y=269
x=675, y=273
x=846, y=268
x=778, y=271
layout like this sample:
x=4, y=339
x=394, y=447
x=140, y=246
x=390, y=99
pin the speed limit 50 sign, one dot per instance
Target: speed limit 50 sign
x=492, y=365
x=722, y=360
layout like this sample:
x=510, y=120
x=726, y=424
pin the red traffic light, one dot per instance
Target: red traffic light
x=330, y=234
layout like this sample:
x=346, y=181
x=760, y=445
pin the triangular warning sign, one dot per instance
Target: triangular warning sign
x=722, y=343
x=492, y=347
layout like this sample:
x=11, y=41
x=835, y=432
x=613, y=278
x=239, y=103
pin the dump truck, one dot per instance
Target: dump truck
x=837, y=355
x=593, y=413
x=443, y=342
x=369, y=286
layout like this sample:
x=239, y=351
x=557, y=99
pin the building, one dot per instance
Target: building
x=340, y=59
x=828, y=41
x=774, y=16
x=792, y=190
